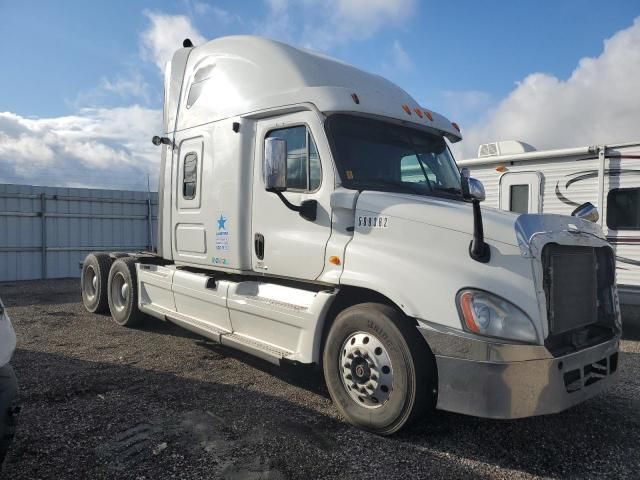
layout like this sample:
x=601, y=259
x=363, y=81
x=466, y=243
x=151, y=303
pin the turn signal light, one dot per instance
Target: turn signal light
x=466, y=300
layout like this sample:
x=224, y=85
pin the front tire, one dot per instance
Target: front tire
x=93, y=281
x=380, y=373
x=123, y=293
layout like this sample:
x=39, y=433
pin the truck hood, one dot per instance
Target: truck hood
x=499, y=225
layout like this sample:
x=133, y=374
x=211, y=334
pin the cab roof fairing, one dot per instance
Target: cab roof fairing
x=239, y=75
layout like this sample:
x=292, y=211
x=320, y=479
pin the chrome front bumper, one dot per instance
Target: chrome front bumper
x=494, y=380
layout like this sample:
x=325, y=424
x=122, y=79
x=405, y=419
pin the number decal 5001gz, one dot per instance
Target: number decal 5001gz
x=373, y=222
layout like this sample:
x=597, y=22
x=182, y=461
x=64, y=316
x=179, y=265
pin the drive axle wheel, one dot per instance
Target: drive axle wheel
x=380, y=372
x=123, y=293
x=94, y=278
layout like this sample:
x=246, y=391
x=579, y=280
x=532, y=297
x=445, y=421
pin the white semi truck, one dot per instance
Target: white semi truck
x=312, y=213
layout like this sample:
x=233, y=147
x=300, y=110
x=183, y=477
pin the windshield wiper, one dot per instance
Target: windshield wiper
x=455, y=190
x=379, y=183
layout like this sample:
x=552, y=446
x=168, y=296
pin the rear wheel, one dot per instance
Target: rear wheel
x=123, y=293
x=94, y=279
x=379, y=371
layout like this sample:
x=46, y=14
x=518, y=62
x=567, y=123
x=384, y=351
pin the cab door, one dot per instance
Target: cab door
x=284, y=243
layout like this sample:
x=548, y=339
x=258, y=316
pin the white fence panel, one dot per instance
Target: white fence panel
x=46, y=231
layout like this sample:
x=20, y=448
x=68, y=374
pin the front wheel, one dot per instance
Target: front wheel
x=379, y=371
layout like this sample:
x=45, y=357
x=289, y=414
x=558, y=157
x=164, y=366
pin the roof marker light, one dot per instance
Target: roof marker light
x=428, y=115
x=418, y=112
x=355, y=98
x=406, y=108
x=455, y=125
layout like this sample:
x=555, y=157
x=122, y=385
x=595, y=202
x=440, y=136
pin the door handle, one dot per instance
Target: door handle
x=258, y=243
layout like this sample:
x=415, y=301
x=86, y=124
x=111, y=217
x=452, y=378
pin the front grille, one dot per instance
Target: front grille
x=577, y=284
x=572, y=289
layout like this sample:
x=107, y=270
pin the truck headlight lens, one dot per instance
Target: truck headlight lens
x=490, y=315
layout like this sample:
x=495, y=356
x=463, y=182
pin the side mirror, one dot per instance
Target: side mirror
x=275, y=164
x=156, y=140
x=476, y=189
x=586, y=211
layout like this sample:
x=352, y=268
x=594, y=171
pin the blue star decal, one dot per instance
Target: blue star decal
x=221, y=222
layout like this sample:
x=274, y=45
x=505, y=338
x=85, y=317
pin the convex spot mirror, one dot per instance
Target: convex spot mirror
x=275, y=164
x=586, y=211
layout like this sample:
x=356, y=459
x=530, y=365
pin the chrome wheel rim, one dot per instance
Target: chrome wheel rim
x=119, y=292
x=366, y=370
x=90, y=281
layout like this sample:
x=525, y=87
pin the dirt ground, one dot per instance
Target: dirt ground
x=102, y=401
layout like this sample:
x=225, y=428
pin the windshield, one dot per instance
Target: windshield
x=377, y=155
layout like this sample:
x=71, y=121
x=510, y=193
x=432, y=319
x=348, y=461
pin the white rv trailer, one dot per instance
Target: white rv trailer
x=521, y=179
x=312, y=213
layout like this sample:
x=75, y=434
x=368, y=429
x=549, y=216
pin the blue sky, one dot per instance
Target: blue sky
x=82, y=79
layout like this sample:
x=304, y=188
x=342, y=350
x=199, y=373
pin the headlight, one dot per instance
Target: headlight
x=490, y=315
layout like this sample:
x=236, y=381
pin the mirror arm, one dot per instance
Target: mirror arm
x=478, y=249
x=286, y=202
x=307, y=209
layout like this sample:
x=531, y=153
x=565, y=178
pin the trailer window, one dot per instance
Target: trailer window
x=303, y=161
x=190, y=176
x=623, y=209
x=519, y=198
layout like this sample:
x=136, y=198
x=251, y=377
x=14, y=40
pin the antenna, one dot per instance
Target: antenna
x=150, y=212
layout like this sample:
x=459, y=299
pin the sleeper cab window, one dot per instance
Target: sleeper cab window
x=190, y=176
x=303, y=161
x=623, y=209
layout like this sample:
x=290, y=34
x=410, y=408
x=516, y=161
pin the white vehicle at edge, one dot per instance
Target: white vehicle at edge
x=312, y=213
x=521, y=179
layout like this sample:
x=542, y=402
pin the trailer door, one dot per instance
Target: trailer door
x=520, y=192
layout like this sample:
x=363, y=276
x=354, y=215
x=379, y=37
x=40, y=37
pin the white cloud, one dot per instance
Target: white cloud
x=165, y=35
x=398, y=60
x=129, y=87
x=219, y=15
x=96, y=147
x=599, y=103
x=464, y=106
x=100, y=147
x=134, y=86
x=324, y=24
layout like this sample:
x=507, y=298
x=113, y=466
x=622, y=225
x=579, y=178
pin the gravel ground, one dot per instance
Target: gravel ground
x=102, y=401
